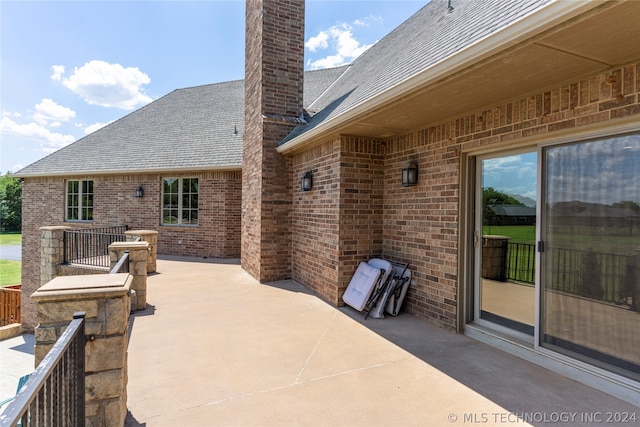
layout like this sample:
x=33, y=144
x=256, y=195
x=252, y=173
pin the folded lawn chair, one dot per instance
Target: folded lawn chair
x=361, y=286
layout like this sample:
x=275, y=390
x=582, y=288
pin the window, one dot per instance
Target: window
x=180, y=201
x=79, y=201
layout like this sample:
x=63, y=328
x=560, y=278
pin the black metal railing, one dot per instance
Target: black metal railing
x=521, y=262
x=90, y=246
x=54, y=393
x=602, y=276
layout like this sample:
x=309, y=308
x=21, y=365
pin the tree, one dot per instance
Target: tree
x=10, y=203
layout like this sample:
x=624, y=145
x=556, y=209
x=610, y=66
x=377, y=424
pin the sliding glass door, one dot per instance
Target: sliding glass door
x=505, y=234
x=590, y=260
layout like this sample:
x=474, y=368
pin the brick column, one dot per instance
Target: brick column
x=52, y=252
x=274, y=77
x=151, y=237
x=138, y=253
x=105, y=299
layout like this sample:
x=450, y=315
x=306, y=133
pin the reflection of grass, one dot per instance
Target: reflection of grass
x=10, y=272
x=10, y=239
x=518, y=233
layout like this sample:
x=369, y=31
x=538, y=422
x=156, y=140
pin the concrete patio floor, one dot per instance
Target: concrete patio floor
x=216, y=348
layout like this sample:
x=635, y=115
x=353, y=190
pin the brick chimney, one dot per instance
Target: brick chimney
x=274, y=73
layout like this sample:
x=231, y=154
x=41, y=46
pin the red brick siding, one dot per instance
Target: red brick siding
x=420, y=224
x=273, y=101
x=315, y=220
x=216, y=236
x=339, y=222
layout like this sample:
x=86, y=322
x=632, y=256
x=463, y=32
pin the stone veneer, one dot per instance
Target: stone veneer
x=138, y=262
x=105, y=300
x=151, y=237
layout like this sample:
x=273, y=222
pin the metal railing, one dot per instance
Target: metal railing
x=521, y=262
x=54, y=393
x=10, y=306
x=122, y=266
x=90, y=246
x=602, y=276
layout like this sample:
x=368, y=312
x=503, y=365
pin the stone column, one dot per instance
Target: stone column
x=138, y=253
x=105, y=299
x=52, y=252
x=151, y=237
x=495, y=250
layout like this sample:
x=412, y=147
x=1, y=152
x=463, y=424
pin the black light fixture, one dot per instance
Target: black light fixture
x=410, y=174
x=139, y=192
x=307, y=181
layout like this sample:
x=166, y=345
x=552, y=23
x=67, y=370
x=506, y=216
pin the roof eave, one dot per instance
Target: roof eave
x=536, y=22
x=229, y=167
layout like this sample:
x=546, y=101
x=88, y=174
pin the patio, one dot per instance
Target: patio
x=215, y=347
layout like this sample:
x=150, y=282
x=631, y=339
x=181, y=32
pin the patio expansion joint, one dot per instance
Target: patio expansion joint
x=315, y=348
x=293, y=384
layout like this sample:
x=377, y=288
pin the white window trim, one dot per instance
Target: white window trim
x=180, y=208
x=80, y=205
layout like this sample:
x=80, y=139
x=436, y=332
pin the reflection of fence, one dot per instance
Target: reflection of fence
x=521, y=262
x=603, y=276
x=90, y=246
x=590, y=274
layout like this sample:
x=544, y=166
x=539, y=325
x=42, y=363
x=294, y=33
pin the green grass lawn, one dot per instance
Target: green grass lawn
x=518, y=233
x=10, y=239
x=10, y=271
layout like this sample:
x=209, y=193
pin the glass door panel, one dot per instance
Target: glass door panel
x=505, y=241
x=591, y=259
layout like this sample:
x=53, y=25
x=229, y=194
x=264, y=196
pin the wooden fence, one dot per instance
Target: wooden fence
x=10, y=306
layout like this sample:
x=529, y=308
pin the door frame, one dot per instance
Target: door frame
x=475, y=229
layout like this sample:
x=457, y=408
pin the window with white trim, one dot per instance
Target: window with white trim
x=180, y=201
x=79, y=205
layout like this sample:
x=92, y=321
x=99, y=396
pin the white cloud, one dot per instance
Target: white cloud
x=341, y=41
x=49, y=141
x=48, y=113
x=107, y=85
x=58, y=72
x=15, y=168
x=10, y=114
x=94, y=127
x=318, y=42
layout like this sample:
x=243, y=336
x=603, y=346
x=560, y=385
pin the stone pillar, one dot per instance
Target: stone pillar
x=151, y=237
x=495, y=250
x=138, y=253
x=52, y=252
x=105, y=299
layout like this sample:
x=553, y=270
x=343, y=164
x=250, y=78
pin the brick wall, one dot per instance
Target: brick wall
x=273, y=106
x=420, y=224
x=216, y=236
x=339, y=222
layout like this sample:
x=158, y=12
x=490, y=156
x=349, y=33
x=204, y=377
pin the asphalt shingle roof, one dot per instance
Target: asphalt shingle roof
x=428, y=37
x=194, y=128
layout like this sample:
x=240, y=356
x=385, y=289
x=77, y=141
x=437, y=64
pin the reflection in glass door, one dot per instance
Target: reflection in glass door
x=591, y=260
x=505, y=236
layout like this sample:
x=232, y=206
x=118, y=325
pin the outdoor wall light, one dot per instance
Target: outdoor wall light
x=307, y=181
x=139, y=192
x=410, y=174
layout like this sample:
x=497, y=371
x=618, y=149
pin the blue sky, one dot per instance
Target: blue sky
x=69, y=67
